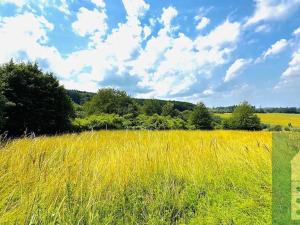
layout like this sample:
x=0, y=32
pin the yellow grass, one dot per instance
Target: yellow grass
x=138, y=177
x=282, y=119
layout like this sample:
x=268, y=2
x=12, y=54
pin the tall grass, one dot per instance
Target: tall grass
x=137, y=177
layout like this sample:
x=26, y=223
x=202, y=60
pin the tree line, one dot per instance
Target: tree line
x=33, y=101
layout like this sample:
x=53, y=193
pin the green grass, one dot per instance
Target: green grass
x=285, y=147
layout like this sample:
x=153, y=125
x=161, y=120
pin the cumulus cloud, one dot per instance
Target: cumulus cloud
x=135, y=8
x=163, y=63
x=226, y=33
x=236, y=68
x=268, y=10
x=90, y=22
x=170, y=64
x=168, y=15
x=202, y=23
x=31, y=29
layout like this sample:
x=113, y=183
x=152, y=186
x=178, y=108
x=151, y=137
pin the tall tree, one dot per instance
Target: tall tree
x=244, y=118
x=168, y=109
x=36, y=101
x=151, y=107
x=201, y=118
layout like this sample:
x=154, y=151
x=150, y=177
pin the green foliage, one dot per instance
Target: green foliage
x=36, y=101
x=151, y=107
x=98, y=122
x=157, y=122
x=169, y=110
x=201, y=118
x=3, y=103
x=276, y=128
x=180, y=106
x=80, y=97
x=128, y=121
x=243, y=118
x=110, y=101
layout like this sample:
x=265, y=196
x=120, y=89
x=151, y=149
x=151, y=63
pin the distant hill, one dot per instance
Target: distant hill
x=80, y=97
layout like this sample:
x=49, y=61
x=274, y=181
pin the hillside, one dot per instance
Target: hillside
x=80, y=97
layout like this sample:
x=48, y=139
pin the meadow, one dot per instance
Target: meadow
x=282, y=119
x=138, y=177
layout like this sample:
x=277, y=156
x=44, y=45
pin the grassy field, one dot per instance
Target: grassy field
x=138, y=177
x=282, y=119
x=285, y=147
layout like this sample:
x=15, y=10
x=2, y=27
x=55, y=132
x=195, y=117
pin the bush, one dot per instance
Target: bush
x=99, y=122
x=275, y=128
x=128, y=121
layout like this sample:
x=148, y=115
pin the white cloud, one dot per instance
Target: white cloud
x=147, y=31
x=204, y=21
x=267, y=10
x=276, y=48
x=170, y=64
x=135, y=8
x=223, y=34
x=167, y=63
x=64, y=7
x=262, y=28
x=32, y=5
x=236, y=68
x=99, y=3
x=208, y=91
x=32, y=30
x=90, y=22
x=294, y=66
x=167, y=16
x=82, y=83
x=18, y=3
x=297, y=31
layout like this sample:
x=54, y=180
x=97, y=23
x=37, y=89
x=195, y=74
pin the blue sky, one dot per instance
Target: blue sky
x=218, y=52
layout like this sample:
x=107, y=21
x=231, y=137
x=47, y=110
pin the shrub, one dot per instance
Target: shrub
x=275, y=128
x=99, y=122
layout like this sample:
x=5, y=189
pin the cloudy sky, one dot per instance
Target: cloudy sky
x=218, y=52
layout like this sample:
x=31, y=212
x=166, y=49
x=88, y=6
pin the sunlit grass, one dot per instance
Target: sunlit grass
x=282, y=119
x=138, y=177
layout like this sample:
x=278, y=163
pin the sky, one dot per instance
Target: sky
x=217, y=52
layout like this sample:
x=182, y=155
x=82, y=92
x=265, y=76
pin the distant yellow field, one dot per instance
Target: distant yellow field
x=275, y=118
x=138, y=177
